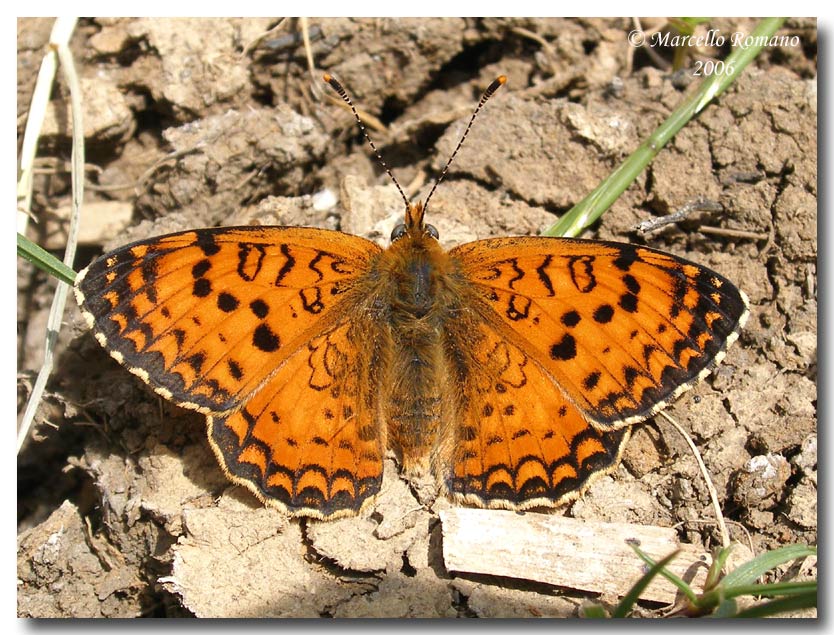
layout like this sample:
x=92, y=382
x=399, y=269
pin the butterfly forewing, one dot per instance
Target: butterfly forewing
x=205, y=316
x=621, y=329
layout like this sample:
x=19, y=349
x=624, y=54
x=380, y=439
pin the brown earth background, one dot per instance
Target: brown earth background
x=122, y=508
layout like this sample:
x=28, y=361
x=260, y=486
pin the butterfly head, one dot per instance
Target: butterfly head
x=414, y=227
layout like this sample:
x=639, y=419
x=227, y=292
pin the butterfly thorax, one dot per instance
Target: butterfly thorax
x=416, y=274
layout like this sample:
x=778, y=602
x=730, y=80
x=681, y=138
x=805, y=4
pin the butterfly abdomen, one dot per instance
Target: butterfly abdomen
x=414, y=403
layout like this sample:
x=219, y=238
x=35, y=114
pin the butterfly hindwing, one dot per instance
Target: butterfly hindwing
x=520, y=443
x=310, y=441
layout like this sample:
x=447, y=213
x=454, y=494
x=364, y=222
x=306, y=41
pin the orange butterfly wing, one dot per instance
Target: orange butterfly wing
x=573, y=341
x=621, y=329
x=520, y=442
x=234, y=323
x=205, y=316
x=310, y=441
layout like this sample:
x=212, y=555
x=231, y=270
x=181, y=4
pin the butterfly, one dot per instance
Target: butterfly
x=507, y=370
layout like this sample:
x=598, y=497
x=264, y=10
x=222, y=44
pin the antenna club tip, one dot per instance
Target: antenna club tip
x=327, y=77
x=497, y=83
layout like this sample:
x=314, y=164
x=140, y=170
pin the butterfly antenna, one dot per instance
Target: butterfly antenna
x=489, y=92
x=335, y=85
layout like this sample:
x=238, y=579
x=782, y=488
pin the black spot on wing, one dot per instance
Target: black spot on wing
x=149, y=277
x=265, y=339
x=234, y=369
x=259, y=308
x=604, y=313
x=196, y=361
x=570, y=318
x=628, y=302
x=564, y=349
x=631, y=284
x=201, y=268
x=628, y=256
x=205, y=241
x=226, y=302
x=591, y=380
x=202, y=287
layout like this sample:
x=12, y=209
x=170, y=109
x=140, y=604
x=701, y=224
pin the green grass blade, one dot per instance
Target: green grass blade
x=727, y=608
x=593, y=612
x=771, y=590
x=724, y=597
x=714, y=574
x=44, y=260
x=781, y=606
x=629, y=599
x=749, y=572
x=588, y=210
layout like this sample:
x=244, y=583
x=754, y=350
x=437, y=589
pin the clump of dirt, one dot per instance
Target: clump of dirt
x=122, y=508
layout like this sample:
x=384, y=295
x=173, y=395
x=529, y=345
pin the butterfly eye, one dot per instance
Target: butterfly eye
x=431, y=230
x=398, y=232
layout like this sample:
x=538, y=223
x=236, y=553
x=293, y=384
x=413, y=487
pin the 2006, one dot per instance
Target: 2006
x=709, y=67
